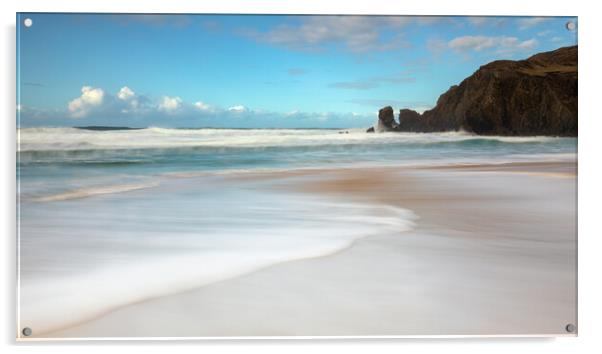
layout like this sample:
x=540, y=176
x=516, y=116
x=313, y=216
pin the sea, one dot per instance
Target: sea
x=108, y=217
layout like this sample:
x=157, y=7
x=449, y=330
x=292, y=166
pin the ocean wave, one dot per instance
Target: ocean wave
x=60, y=139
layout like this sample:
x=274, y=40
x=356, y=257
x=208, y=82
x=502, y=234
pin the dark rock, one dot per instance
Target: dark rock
x=370, y=130
x=536, y=96
x=386, y=120
x=409, y=120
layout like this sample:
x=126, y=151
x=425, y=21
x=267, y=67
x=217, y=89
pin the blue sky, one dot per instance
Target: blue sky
x=255, y=71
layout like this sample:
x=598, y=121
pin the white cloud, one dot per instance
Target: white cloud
x=544, y=33
x=487, y=21
x=125, y=93
x=528, y=22
x=101, y=106
x=476, y=43
x=526, y=45
x=357, y=34
x=115, y=108
x=90, y=98
x=169, y=104
x=238, y=109
x=128, y=96
x=501, y=44
x=201, y=106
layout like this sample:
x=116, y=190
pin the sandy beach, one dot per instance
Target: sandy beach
x=493, y=251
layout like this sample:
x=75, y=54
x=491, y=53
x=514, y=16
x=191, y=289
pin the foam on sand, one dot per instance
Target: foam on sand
x=84, y=258
x=94, y=191
x=481, y=260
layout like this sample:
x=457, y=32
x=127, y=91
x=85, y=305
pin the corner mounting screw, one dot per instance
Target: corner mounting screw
x=27, y=331
x=570, y=328
x=571, y=26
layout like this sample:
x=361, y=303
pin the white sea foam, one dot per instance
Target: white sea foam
x=87, y=257
x=48, y=139
x=94, y=191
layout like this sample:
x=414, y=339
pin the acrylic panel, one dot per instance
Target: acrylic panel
x=202, y=175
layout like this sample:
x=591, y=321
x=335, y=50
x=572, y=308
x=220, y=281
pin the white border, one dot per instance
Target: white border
x=589, y=150
x=301, y=338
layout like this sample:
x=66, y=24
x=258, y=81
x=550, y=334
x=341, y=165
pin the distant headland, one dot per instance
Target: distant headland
x=536, y=96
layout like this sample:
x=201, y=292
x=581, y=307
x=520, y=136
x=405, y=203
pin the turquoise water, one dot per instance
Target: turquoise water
x=56, y=159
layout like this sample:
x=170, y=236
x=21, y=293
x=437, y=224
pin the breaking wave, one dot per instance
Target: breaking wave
x=74, y=139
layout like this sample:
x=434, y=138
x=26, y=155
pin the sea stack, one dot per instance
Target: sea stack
x=386, y=120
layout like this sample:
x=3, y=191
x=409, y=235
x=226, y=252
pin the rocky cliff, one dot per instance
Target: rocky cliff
x=536, y=96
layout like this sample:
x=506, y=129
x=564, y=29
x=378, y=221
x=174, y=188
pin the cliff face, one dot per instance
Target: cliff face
x=536, y=96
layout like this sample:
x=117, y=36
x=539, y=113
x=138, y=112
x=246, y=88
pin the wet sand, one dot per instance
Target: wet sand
x=493, y=252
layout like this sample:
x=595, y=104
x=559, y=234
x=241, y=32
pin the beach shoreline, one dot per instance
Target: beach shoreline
x=516, y=276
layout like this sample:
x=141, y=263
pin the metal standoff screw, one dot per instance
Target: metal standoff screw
x=570, y=328
x=570, y=26
x=27, y=331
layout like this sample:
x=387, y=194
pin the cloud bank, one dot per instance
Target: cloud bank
x=357, y=34
x=96, y=106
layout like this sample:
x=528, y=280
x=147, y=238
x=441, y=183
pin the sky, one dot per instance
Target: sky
x=255, y=71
